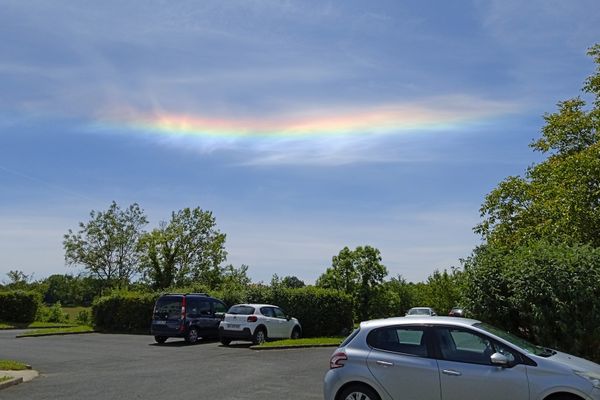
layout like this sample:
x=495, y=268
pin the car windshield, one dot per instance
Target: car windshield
x=241, y=310
x=517, y=341
x=419, y=311
x=168, y=307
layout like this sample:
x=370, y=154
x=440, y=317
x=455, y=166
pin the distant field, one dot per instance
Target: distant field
x=73, y=311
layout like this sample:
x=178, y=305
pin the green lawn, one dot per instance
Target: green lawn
x=318, y=341
x=4, y=378
x=71, y=329
x=32, y=325
x=72, y=312
x=11, y=365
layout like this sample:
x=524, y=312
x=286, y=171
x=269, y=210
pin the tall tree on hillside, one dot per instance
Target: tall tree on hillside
x=358, y=273
x=186, y=249
x=107, y=245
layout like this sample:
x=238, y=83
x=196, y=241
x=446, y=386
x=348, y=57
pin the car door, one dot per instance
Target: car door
x=284, y=328
x=467, y=372
x=269, y=321
x=401, y=362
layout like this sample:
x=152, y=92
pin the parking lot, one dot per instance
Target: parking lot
x=98, y=366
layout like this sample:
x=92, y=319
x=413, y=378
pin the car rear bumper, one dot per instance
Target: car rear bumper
x=244, y=334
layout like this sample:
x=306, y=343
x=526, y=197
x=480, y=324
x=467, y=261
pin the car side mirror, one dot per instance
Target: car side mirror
x=288, y=317
x=499, y=360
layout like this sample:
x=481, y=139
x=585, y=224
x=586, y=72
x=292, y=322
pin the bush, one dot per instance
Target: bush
x=129, y=312
x=84, y=317
x=19, y=306
x=548, y=293
x=322, y=312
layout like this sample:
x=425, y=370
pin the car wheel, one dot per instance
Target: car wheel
x=160, y=339
x=296, y=333
x=260, y=336
x=358, y=392
x=192, y=336
x=225, y=342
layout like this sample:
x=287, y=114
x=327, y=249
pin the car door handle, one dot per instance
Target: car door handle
x=451, y=372
x=384, y=363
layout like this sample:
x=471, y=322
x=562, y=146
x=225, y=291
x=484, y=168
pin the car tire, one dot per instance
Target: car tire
x=192, y=336
x=225, y=342
x=358, y=392
x=296, y=333
x=260, y=336
x=160, y=339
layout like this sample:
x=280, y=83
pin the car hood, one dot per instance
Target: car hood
x=573, y=362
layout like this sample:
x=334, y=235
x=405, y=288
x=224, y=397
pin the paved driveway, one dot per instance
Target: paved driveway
x=96, y=366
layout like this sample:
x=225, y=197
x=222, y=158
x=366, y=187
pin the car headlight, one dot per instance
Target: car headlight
x=593, y=377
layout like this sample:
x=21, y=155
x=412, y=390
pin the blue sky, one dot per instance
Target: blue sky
x=462, y=86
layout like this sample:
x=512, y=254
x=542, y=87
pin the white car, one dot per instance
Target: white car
x=421, y=312
x=257, y=323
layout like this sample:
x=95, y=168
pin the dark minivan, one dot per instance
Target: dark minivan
x=189, y=316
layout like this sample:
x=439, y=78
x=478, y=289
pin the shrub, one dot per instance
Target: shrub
x=19, y=306
x=322, y=312
x=84, y=317
x=129, y=312
x=548, y=293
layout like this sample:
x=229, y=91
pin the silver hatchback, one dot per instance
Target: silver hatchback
x=445, y=358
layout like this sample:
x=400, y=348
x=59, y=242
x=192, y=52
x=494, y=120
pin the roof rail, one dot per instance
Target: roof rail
x=198, y=294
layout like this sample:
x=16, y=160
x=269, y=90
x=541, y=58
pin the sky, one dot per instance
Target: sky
x=304, y=126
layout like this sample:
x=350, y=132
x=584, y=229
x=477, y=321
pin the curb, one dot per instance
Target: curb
x=300, y=346
x=10, y=382
x=54, y=334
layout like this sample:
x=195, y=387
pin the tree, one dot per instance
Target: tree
x=107, y=245
x=292, y=282
x=187, y=249
x=18, y=280
x=358, y=273
x=557, y=200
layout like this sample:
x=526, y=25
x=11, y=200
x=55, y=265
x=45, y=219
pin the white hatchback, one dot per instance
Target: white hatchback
x=257, y=323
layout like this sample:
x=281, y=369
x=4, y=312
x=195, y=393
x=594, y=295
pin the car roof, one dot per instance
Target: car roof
x=254, y=305
x=421, y=308
x=425, y=320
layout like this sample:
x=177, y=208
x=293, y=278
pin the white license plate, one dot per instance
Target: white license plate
x=234, y=326
x=160, y=322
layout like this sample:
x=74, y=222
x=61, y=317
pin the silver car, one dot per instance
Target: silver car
x=448, y=358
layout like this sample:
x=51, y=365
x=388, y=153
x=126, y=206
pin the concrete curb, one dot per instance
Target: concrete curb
x=54, y=334
x=300, y=346
x=10, y=382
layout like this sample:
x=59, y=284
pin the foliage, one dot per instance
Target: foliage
x=123, y=311
x=558, y=199
x=320, y=311
x=546, y=292
x=84, y=317
x=107, y=245
x=19, y=306
x=18, y=280
x=11, y=365
x=292, y=282
x=357, y=273
x=187, y=249
x=53, y=313
x=71, y=290
x=304, y=342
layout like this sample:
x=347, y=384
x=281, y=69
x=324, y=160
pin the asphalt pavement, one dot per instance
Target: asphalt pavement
x=101, y=366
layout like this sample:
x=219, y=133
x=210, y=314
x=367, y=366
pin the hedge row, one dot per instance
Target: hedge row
x=19, y=306
x=321, y=312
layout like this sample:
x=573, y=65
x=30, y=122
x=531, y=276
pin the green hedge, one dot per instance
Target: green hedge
x=128, y=312
x=321, y=312
x=19, y=306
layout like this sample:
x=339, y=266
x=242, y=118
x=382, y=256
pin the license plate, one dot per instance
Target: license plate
x=234, y=326
x=160, y=322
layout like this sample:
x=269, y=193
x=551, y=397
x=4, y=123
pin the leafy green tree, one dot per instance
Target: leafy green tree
x=18, y=280
x=393, y=298
x=559, y=198
x=187, y=249
x=292, y=282
x=442, y=290
x=358, y=273
x=107, y=245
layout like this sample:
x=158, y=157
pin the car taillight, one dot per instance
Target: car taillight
x=252, y=318
x=337, y=360
x=183, y=309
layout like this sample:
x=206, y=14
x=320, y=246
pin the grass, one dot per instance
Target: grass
x=304, y=342
x=5, y=378
x=33, y=325
x=56, y=331
x=72, y=312
x=11, y=365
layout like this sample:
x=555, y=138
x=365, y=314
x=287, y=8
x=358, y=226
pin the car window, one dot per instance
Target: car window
x=241, y=310
x=168, y=307
x=267, y=312
x=399, y=339
x=279, y=313
x=219, y=307
x=192, y=305
x=464, y=346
